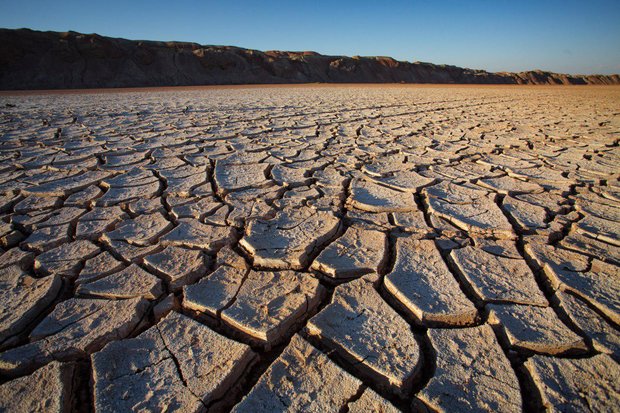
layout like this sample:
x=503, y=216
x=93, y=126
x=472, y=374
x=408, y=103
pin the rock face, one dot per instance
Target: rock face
x=52, y=60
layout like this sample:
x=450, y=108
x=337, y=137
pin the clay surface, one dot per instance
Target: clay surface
x=316, y=248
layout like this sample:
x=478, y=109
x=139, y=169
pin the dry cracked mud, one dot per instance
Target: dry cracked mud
x=324, y=249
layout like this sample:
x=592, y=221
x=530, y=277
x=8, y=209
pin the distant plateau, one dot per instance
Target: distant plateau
x=52, y=60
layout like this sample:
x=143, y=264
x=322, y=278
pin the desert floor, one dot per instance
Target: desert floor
x=314, y=248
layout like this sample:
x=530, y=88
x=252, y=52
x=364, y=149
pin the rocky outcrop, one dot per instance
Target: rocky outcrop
x=51, y=60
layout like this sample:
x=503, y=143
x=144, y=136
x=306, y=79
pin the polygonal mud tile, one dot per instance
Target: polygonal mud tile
x=23, y=298
x=131, y=282
x=497, y=278
x=422, y=283
x=472, y=373
x=593, y=280
x=590, y=384
x=215, y=291
x=66, y=259
x=48, y=389
x=366, y=331
x=176, y=365
x=97, y=221
x=470, y=209
x=179, y=266
x=74, y=328
x=357, y=252
x=370, y=401
x=301, y=379
x=268, y=303
x=288, y=240
x=194, y=234
x=98, y=267
x=535, y=328
x=372, y=197
x=408, y=181
x=232, y=177
x=142, y=231
x=604, y=336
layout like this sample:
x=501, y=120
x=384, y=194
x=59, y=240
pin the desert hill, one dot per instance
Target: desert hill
x=52, y=60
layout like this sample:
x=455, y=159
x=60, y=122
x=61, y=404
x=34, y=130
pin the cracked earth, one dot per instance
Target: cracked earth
x=311, y=249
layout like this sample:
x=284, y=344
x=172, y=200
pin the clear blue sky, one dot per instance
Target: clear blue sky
x=562, y=36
